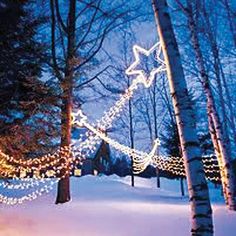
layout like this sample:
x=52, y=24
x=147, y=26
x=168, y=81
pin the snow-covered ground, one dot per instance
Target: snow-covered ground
x=108, y=206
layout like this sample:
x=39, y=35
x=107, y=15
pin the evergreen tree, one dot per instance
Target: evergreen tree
x=23, y=96
x=170, y=140
x=20, y=58
x=206, y=143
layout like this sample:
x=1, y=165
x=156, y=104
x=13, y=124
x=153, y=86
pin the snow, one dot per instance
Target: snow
x=109, y=206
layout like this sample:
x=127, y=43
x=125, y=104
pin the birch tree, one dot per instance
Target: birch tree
x=226, y=170
x=201, y=213
x=224, y=98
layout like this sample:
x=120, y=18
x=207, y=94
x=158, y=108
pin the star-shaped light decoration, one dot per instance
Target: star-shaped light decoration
x=157, y=142
x=141, y=75
x=78, y=118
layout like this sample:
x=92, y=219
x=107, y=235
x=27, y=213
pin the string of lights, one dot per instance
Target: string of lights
x=105, y=122
x=26, y=183
x=65, y=159
x=142, y=159
x=28, y=197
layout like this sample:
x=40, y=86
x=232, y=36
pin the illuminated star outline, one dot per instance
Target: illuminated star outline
x=141, y=77
x=78, y=118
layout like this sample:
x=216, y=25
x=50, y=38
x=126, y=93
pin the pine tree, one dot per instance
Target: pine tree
x=22, y=93
x=170, y=140
x=19, y=58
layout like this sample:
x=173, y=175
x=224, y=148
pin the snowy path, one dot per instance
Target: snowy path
x=108, y=206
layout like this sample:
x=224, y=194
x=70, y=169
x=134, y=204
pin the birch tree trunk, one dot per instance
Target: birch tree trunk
x=227, y=175
x=216, y=65
x=213, y=136
x=63, y=191
x=201, y=213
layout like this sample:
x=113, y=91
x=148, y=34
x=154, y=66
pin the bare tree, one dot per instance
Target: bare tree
x=227, y=175
x=224, y=98
x=78, y=31
x=154, y=108
x=66, y=84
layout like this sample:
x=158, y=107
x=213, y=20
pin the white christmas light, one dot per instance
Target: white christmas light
x=78, y=118
x=141, y=77
x=28, y=197
x=67, y=157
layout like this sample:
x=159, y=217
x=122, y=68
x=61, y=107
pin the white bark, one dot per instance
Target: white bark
x=201, y=213
x=227, y=175
x=216, y=65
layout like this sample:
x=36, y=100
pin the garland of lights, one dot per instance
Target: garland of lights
x=142, y=159
x=106, y=121
x=25, y=183
x=52, y=160
x=108, y=116
x=29, y=197
x=70, y=156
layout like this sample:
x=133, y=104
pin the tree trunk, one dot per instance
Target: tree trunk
x=182, y=186
x=158, y=177
x=216, y=65
x=63, y=191
x=213, y=136
x=201, y=213
x=226, y=171
x=154, y=110
x=131, y=135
